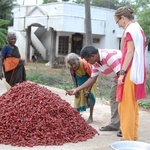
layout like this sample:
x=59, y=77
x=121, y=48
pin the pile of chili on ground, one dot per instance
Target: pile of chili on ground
x=32, y=115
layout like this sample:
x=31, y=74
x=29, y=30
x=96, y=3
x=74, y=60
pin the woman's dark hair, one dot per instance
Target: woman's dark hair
x=87, y=51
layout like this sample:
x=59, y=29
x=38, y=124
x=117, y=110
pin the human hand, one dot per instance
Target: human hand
x=77, y=94
x=68, y=92
x=71, y=92
x=86, y=94
x=120, y=79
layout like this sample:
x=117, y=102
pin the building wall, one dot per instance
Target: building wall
x=20, y=42
x=45, y=39
x=67, y=19
x=147, y=59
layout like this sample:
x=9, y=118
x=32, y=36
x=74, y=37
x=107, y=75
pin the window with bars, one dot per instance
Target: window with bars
x=96, y=40
x=63, y=45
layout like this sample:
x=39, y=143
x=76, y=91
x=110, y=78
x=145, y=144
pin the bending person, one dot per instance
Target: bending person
x=81, y=71
x=107, y=62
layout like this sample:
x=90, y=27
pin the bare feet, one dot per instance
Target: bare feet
x=90, y=120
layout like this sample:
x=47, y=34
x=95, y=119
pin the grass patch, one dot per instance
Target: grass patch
x=145, y=103
x=58, y=78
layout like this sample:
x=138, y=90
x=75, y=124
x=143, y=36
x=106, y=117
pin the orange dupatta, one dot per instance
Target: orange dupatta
x=10, y=63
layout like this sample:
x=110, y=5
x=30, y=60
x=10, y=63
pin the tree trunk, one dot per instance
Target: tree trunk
x=88, y=37
x=28, y=43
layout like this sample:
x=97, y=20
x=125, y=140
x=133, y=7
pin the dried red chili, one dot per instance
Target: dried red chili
x=32, y=115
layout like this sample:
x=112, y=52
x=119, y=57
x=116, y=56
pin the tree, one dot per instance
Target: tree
x=79, y=1
x=142, y=12
x=123, y=3
x=111, y=4
x=48, y=1
x=88, y=22
x=144, y=20
x=6, y=7
x=3, y=32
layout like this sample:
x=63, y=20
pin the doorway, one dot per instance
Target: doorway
x=77, y=41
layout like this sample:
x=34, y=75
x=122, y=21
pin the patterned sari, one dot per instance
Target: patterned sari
x=81, y=75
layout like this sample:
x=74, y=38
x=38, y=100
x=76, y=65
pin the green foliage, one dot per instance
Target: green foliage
x=3, y=22
x=105, y=3
x=148, y=83
x=123, y=3
x=145, y=103
x=49, y=79
x=79, y=1
x=142, y=11
x=3, y=32
x=49, y=1
x=111, y=4
x=6, y=13
x=144, y=20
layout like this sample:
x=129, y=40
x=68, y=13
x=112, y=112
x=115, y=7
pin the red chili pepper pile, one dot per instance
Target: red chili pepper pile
x=32, y=115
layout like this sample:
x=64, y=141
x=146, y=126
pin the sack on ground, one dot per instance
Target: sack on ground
x=4, y=86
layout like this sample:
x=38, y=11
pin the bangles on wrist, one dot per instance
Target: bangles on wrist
x=122, y=72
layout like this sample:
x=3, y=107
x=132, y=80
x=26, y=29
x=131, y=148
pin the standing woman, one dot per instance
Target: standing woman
x=132, y=76
x=81, y=71
x=13, y=66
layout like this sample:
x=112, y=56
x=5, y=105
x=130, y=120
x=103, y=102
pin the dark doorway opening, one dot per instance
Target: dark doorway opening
x=77, y=41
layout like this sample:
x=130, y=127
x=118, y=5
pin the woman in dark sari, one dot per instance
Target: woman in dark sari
x=13, y=66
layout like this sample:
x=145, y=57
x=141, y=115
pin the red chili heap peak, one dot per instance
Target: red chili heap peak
x=32, y=115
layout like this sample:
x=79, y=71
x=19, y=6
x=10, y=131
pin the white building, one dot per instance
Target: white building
x=56, y=29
